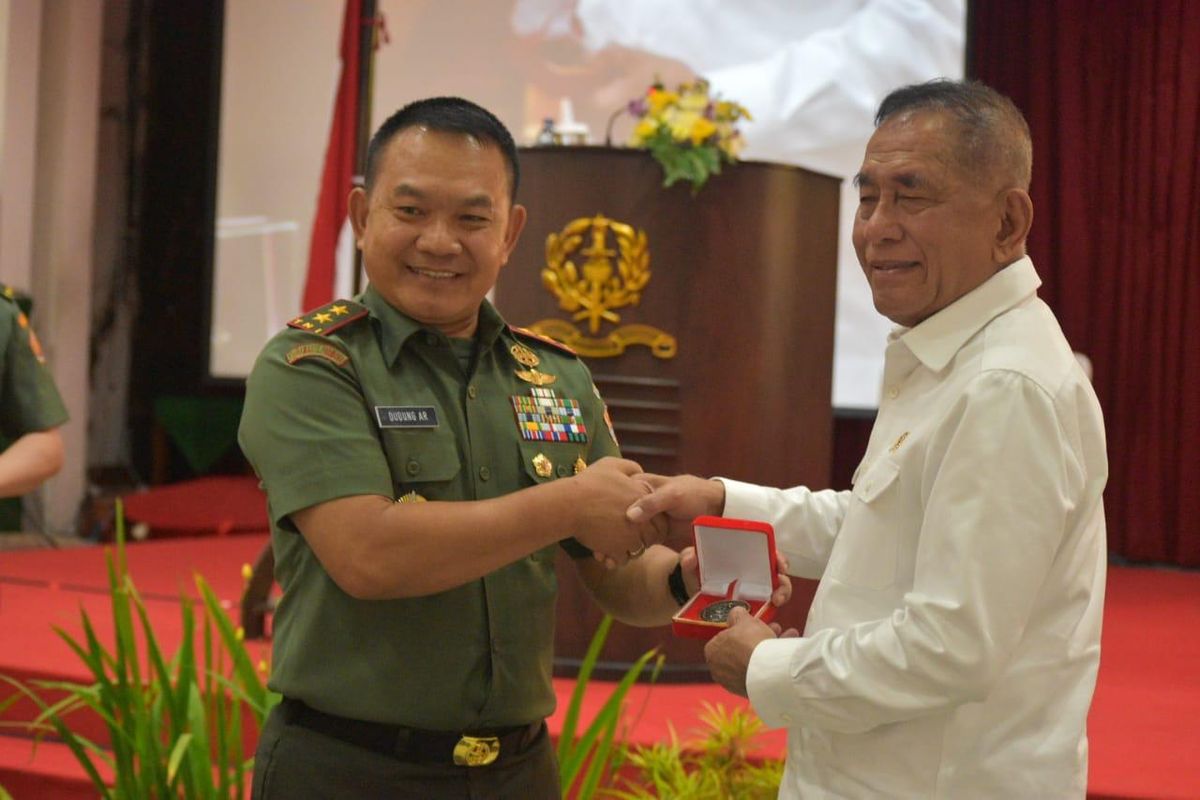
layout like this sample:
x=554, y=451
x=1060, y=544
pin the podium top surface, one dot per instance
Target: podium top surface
x=637, y=152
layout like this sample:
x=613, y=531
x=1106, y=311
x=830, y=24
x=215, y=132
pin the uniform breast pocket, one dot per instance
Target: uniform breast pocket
x=865, y=552
x=425, y=462
x=547, y=461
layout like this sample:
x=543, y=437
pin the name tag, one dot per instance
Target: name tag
x=406, y=416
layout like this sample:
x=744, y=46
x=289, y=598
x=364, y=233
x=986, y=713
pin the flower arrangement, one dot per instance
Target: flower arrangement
x=688, y=131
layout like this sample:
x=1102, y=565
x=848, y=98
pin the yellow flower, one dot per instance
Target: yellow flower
x=732, y=145
x=644, y=130
x=660, y=99
x=701, y=130
x=682, y=123
x=694, y=101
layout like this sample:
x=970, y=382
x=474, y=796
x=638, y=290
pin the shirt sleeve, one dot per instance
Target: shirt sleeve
x=998, y=485
x=28, y=397
x=805, y=522
x=307, y=432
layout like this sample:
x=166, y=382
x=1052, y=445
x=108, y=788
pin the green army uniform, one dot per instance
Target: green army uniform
x=359, y=399
x=29, y=401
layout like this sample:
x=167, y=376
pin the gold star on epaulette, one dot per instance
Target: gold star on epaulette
x=322, y=318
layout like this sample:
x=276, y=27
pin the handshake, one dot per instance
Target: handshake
x=621, y=510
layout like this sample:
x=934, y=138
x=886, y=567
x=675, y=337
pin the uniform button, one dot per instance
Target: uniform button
x=431, y=339
x=412, y=468
x=786, y=717
x=893, y=392
x=563, y=470
x=484, y=473
x=472, y=392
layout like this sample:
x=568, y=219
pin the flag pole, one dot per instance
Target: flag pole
x=368, y=41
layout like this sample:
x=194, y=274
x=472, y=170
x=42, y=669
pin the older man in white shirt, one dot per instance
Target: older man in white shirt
x=952, y=646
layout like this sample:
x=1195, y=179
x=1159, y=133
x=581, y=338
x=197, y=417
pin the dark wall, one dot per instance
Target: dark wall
x=177, y=90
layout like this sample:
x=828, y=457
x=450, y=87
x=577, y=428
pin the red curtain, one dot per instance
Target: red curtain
x=1112, y=94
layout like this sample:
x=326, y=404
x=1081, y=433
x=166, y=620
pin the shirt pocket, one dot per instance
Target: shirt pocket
x=542, y=462
x=865, y=551
x=425, y=462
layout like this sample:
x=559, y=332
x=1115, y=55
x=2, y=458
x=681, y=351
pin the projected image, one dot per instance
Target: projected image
x=811, y=77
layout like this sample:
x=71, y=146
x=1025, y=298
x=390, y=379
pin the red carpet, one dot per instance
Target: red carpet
x=1144, y=727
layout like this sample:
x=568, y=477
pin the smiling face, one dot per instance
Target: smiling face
x=437, y=226
x=925, y=232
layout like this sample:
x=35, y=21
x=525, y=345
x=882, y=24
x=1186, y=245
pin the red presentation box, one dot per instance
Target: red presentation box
x=737, y=562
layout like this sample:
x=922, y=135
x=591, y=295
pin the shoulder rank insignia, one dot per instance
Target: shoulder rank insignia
x=7, y=292
x=329, y=317
x=543, y=339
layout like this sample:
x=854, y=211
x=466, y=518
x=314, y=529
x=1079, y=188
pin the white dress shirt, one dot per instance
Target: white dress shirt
x=952, y=645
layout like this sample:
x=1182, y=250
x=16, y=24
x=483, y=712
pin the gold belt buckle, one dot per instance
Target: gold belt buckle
x=476, y=751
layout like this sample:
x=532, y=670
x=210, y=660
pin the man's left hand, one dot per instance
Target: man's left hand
x=728, y=653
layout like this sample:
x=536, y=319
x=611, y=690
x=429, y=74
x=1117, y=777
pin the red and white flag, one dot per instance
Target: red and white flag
x=331, y=249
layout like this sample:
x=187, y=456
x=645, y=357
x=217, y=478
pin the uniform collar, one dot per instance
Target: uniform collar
x=396, y=327
x=937, y=339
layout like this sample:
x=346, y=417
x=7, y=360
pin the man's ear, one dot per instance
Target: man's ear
x=516, y=224
x=1016, y=218
x=359, y=208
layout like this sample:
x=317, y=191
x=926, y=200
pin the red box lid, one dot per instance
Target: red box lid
x=736, y=550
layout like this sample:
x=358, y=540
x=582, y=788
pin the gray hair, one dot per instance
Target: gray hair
x=993, y=136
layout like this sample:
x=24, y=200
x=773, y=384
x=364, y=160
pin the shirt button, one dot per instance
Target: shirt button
x=484, y=473
x=893, y=392
x=472, y=392
x=412, y=468
x=431, y=339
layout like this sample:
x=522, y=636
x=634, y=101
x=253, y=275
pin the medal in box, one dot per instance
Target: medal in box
x=737, y=570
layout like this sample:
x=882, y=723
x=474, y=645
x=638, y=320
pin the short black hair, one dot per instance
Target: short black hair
x=450, y=115
x=992, y=131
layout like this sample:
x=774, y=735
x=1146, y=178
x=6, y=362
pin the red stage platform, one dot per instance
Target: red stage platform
x=1144, y=726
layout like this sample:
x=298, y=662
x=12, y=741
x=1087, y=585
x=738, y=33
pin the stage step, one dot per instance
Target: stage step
x=47, y=772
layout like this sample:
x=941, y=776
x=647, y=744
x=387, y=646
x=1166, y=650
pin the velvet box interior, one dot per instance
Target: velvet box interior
x=737, y=563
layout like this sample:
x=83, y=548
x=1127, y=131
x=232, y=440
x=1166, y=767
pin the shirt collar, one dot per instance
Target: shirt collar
x=396, y=327
x=937, y=339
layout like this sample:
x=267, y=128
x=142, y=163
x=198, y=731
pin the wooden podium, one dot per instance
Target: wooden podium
x=742, y=276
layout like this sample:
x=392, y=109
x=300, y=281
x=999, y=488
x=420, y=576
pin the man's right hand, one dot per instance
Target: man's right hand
x=600, y=495
x=678, y=501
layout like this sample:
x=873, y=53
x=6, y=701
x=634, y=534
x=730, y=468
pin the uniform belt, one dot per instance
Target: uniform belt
x=415, y=745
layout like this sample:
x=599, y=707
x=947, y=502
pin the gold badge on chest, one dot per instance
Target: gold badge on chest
x=530, y=360
x=543, y=466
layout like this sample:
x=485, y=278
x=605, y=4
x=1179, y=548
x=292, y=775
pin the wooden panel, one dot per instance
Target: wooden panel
x=743, y=275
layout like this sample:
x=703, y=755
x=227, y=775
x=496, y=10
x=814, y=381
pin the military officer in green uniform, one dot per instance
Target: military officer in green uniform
x=31, y=409
x=423, y=462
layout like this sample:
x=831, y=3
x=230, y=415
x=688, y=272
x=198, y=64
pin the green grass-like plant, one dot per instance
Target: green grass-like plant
x=716, y=766
x=585, y=760
x=174, y=731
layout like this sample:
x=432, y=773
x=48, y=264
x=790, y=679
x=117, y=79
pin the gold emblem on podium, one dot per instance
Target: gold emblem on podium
x=606, y=280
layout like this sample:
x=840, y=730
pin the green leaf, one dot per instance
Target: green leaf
x=608, y=714
x=566, y=736
x=177, y=754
